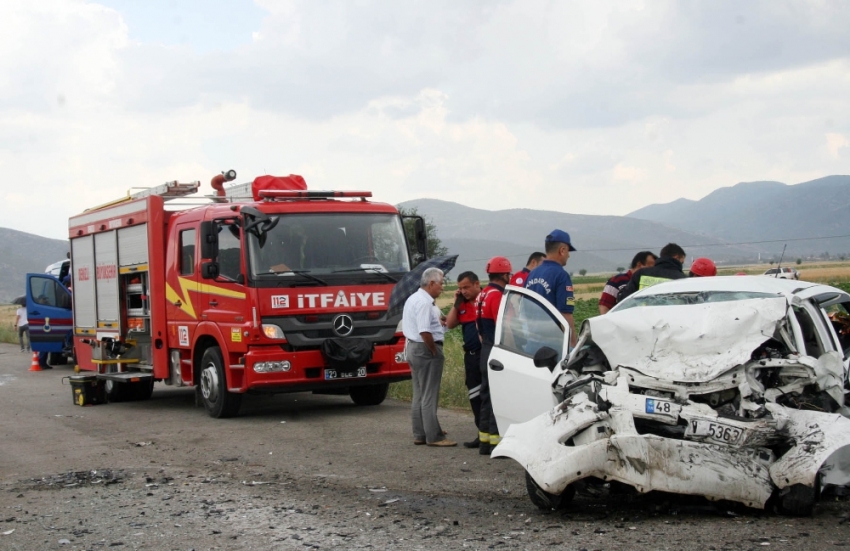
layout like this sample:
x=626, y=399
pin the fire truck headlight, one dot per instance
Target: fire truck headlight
x=270, y=367
x=272, y=331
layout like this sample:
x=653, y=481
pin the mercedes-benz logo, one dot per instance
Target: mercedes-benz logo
x=343, y=325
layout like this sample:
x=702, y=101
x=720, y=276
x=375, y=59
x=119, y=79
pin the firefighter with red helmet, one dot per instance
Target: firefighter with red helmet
x=487, y=309
x=702, y=267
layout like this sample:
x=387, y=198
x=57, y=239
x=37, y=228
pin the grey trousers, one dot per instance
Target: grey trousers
x=426, y=373
x=24, y=330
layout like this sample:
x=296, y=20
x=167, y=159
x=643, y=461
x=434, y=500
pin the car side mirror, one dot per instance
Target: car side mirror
x=209, y=270
x=546, y=357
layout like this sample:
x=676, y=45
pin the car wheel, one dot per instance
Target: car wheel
x=218, y=401
x=543, y=499
x=798, y=500
x=369, y=395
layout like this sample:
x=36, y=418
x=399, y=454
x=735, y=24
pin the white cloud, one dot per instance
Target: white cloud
x=630, y=174
x=835, y=143
x=584, y=107
x=668, y=161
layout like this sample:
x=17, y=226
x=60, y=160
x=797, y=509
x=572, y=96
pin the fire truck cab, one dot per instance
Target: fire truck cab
x=265, y=287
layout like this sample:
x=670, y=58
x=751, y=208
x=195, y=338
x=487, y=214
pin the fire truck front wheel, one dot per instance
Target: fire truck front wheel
x=218, y=402
x=369, y=395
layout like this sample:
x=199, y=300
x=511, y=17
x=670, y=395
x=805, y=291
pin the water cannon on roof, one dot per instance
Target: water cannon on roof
x=218, y=180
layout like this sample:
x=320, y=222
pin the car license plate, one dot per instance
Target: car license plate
x=662, y=407
x=718, y=432
x=334, y=374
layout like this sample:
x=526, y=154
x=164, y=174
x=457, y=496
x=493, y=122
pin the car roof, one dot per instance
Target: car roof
x=57, y=266
x=755, y=284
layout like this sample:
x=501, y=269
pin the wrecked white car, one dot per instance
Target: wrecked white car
x=732, y=388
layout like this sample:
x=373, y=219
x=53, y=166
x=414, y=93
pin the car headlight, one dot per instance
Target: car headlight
x=272, y=331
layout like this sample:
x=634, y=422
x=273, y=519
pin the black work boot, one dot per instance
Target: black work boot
x=484, y=448
x=472, y=443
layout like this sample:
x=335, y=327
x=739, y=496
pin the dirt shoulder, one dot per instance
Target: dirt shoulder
x=302, y=471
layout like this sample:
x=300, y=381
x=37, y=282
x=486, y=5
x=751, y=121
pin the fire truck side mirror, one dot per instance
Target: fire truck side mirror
x=209, y=240
x=421, y=235
x=209, y=270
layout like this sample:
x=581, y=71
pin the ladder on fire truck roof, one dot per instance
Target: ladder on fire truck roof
x=168, y=190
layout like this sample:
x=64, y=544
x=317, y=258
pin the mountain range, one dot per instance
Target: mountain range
x=741, y=223
x=21, y=253
x=767, y=214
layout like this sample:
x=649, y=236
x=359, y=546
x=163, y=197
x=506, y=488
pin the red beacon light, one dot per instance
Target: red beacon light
x=294, y=187
x=292, y=194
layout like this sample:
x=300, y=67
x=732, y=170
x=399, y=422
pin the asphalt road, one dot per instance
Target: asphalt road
x=302, y=471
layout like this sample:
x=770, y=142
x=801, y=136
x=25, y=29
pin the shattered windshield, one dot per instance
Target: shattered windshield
x=695, y=297
x=311, y=245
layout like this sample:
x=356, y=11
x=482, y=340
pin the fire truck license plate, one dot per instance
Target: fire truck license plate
x=334, y=374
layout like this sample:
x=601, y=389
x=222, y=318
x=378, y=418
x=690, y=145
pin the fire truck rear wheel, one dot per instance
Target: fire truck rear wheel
x=218, y=402
x=116, y=391
x=142, y=390
x=369, y=395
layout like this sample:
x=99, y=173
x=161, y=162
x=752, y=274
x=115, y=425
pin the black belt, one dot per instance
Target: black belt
x=439, y=342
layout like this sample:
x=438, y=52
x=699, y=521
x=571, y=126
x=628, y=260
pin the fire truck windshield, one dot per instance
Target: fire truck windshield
x=332, y=246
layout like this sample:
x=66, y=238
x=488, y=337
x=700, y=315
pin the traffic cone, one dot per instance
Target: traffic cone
x=34, y=365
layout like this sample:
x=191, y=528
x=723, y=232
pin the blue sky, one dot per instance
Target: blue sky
x=204, y=26
x=578, y=106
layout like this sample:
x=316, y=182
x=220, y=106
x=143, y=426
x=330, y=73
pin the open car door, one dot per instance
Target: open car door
x=519, y=390
x=48, y=313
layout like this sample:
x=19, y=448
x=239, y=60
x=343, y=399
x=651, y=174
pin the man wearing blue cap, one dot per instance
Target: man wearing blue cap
x=552, y=282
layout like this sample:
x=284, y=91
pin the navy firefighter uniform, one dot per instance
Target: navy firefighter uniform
x=487, y=310
x=471, y=356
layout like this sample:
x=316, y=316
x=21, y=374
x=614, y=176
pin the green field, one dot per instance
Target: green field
x=453, y=393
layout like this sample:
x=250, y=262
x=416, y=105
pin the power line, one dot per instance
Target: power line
x=651, y=247
x=730, y=244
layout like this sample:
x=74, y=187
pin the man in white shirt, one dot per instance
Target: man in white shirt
x=23, y=326
x=424, y=331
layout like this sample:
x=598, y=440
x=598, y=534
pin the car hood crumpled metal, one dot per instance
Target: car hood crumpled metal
x=687, y=343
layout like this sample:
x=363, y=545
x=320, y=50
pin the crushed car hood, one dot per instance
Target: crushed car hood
x=687, y=343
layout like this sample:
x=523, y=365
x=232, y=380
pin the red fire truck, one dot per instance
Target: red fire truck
x=267, y=287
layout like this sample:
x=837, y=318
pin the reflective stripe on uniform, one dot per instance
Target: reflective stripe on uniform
x=484, y=437
x=649, y=281
x=495, y=439
x=474, y=392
